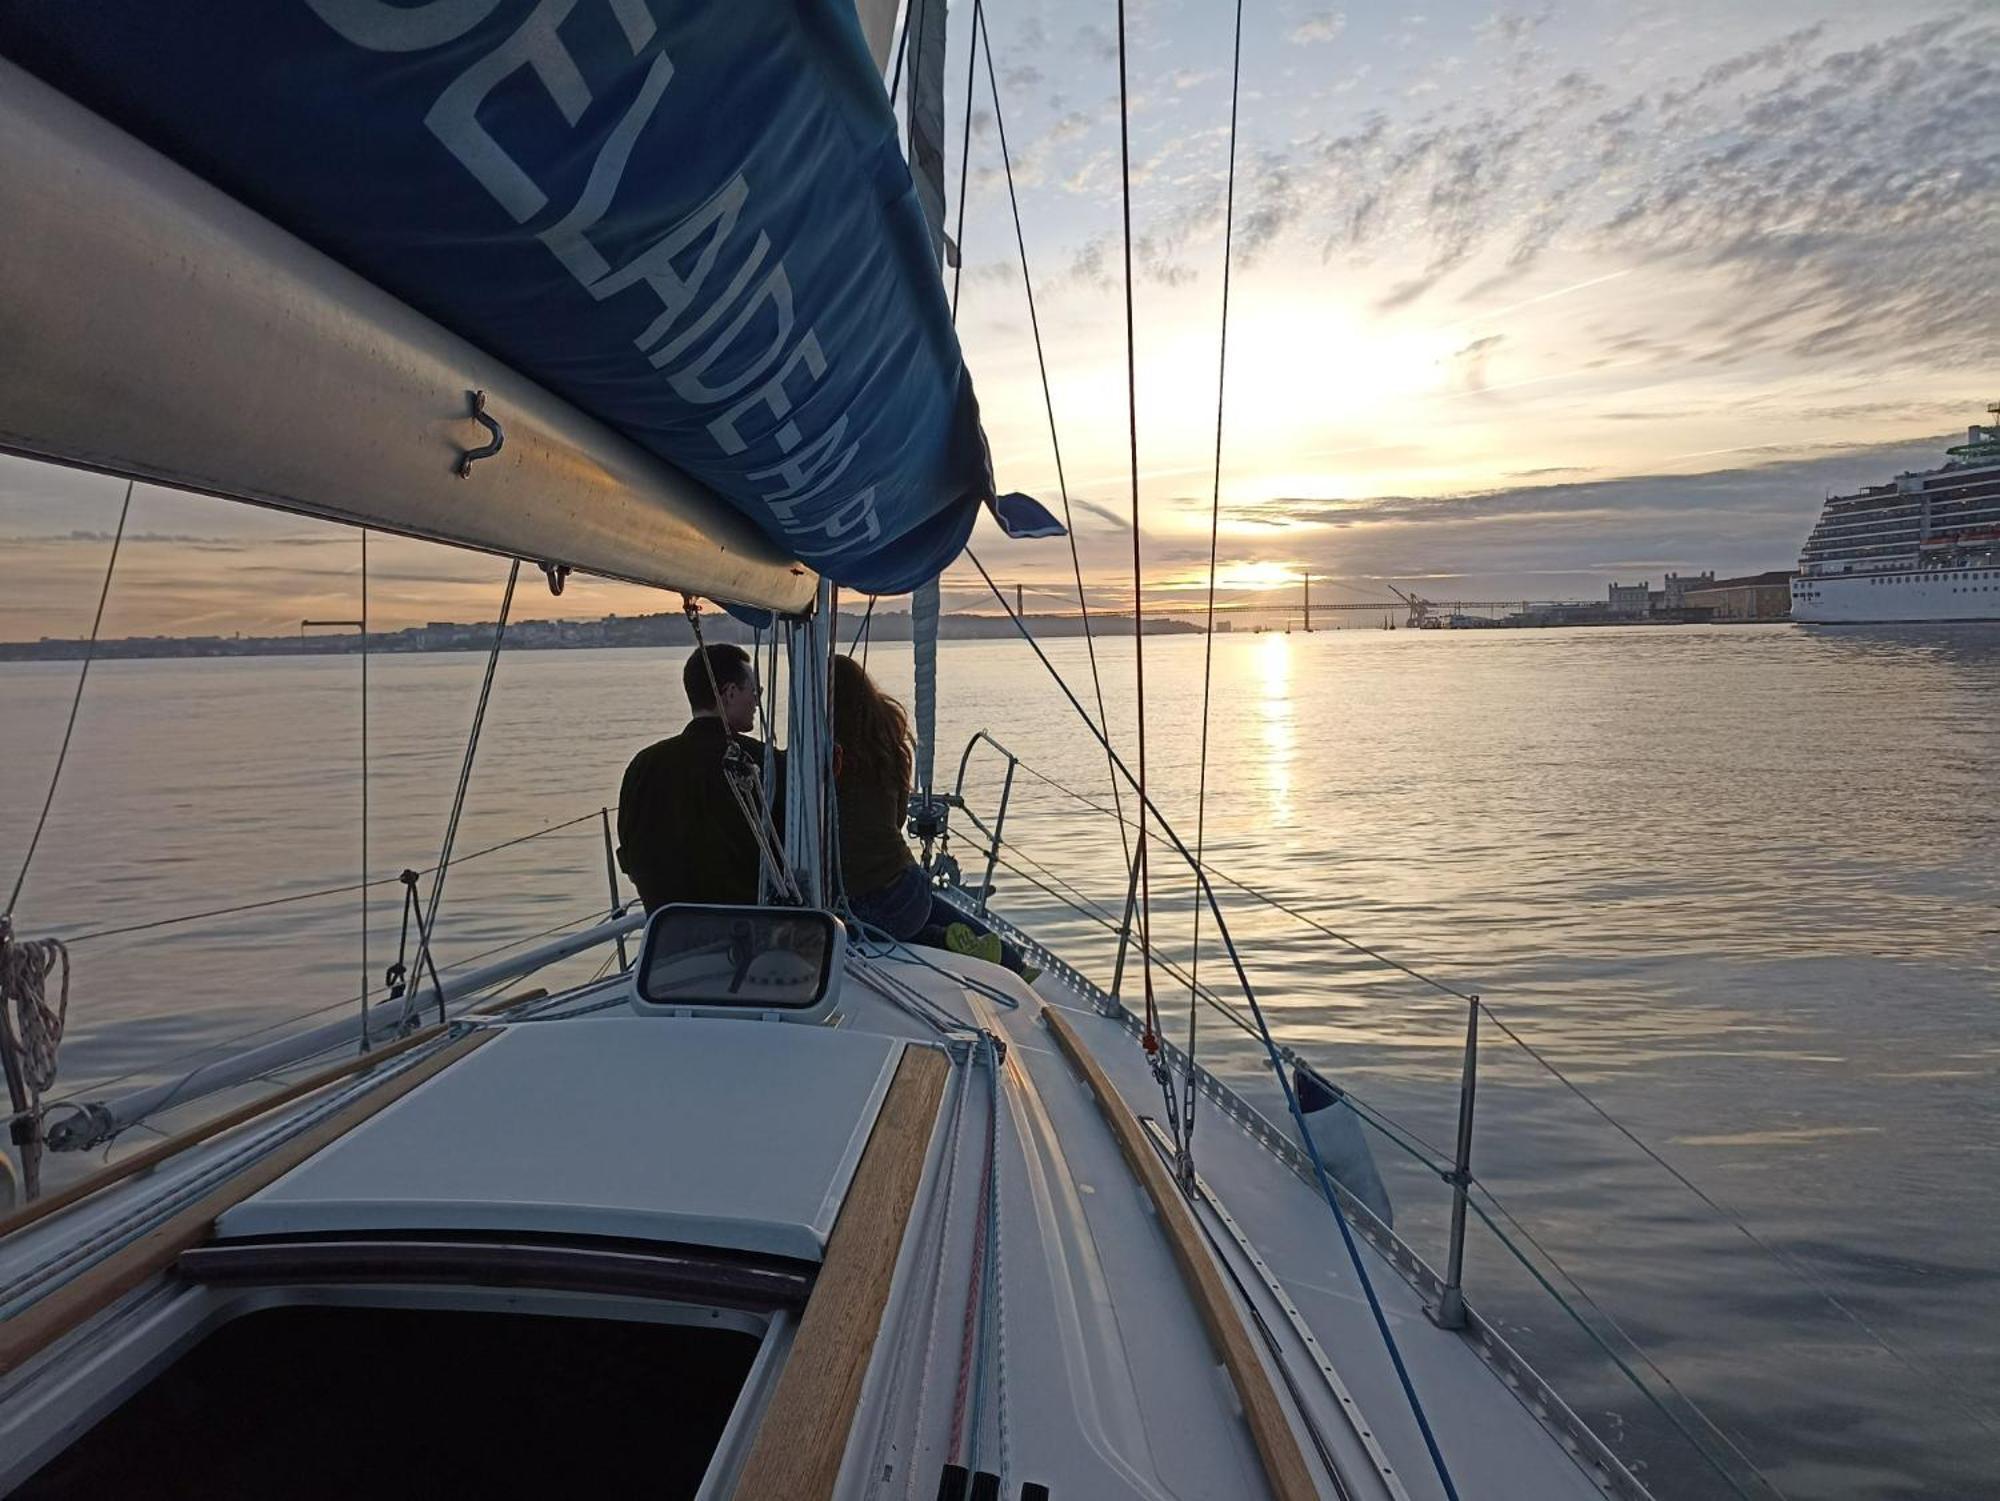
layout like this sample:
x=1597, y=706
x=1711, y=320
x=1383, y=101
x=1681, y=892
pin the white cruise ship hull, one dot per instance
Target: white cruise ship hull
x=1906, y=596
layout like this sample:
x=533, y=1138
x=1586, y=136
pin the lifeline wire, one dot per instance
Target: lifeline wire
x=1049, y=404
x=1186, y=1144
x=1138, y=589
x=76, y=701
x=1436, y=1161
x=964, y=172
x=429, y=925
x=1273, y=1054
x=366, y=972
x=307, y=896
x=1730, y=1217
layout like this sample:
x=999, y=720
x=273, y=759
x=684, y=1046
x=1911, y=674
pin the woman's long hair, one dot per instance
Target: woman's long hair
x=871, y=728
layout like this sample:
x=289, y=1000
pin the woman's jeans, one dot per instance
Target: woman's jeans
x=909, y=909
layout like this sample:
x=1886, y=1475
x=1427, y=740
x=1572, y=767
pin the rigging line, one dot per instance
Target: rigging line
x=1049, y=404
x=1624, y=1368
x=1730, y=1217
x=1138, y=602
x=1604, y=1313
x=1399, y=1133
x=861, y=630
x=76, y=702
x=1402, y=1135
x=1265, y=897
x=98, y=1085
x=366, y=972
x=443, y=867
x=964, y=164
x=306, y=896
x=1214, y=539
x=1276, y=1058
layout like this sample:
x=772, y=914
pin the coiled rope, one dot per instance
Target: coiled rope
x=30, y=1036
x=30, y=1031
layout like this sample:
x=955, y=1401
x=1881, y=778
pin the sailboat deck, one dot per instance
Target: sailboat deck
x=1092, y=1373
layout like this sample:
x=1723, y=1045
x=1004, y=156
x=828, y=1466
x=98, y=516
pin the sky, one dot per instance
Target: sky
x=1522, y=299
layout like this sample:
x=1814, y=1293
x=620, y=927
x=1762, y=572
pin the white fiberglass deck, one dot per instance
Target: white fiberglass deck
x=1101, y=1381
x=731, y=1134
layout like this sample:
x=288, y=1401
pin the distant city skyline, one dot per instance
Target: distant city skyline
x=1523, y=300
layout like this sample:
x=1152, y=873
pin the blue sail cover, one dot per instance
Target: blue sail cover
x=692, y=221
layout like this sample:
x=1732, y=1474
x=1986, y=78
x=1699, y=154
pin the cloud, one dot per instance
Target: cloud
x=1323, y=26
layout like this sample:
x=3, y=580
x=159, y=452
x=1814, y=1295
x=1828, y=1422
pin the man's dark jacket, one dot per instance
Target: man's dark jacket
x=681, y=835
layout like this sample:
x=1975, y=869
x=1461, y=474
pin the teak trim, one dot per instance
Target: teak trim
x=160, y=1151
x=803, y=1436
x=1271, y=1430
x=43, y=1322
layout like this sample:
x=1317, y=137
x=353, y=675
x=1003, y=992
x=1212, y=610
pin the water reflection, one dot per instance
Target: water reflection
x=1275, y=719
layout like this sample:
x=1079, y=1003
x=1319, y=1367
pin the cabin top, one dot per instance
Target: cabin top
x=631, y=1127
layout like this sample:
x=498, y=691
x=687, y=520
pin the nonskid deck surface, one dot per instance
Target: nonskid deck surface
x=1141, y=1392
x=1089, y=1369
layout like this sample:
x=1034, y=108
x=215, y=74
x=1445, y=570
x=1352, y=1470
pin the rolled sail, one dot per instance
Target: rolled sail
x=691, y=223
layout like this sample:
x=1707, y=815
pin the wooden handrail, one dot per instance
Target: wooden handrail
x=1270, y=1428
x=803, y=1436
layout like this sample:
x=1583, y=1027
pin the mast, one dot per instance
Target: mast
x=926, y=62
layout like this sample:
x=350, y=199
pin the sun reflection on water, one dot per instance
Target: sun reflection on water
x=1274, y=717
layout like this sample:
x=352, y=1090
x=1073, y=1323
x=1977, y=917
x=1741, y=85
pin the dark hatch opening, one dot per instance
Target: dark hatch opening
x=307, y=1402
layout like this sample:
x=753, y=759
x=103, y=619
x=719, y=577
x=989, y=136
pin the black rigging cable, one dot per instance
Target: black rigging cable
x=1189, y=1092
x=366, y=972
x=964, y=171
x=428, y=928
x=1145, y=884
x=76, y=701
x=985, y=38
x=1321, y=1177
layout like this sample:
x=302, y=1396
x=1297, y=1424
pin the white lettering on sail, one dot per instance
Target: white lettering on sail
x=855, y=521
x=689, y=383
x=683, y=341
x=773, y=396
x=568, y=236
x=454, y=119
x=809, y=470
x=676, y=268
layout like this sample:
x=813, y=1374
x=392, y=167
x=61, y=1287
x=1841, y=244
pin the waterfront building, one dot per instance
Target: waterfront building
x=1631, y=599
x=1757, y=596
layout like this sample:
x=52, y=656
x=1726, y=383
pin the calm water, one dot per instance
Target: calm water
x=1741, y=885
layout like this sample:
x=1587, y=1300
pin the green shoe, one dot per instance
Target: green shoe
x=1030, y=973
x=962, y=939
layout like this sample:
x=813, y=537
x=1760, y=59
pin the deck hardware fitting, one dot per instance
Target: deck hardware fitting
x=1205, y=1197
x=1603, y=1468
x=473, y=455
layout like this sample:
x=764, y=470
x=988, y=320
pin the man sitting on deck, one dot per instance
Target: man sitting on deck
x=682, y=835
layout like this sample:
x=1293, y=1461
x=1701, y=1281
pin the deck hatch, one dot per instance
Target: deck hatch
x=726, y=1134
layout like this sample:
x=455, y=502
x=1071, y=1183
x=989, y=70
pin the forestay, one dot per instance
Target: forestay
x=692, y=222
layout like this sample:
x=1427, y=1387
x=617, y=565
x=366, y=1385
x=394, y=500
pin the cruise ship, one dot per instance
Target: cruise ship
x=1924, y=548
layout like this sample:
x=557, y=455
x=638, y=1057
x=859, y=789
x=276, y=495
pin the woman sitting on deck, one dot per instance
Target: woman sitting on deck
x=886, y=888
